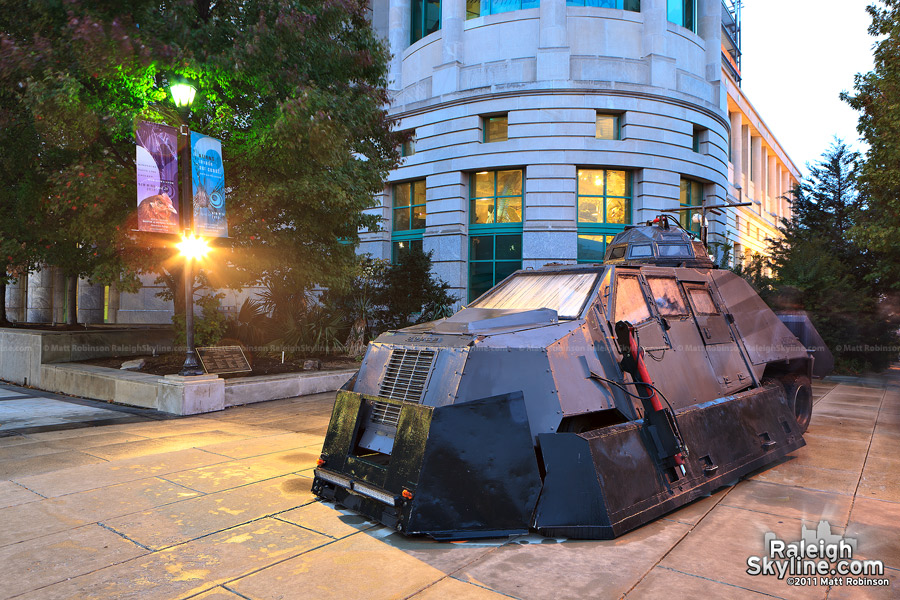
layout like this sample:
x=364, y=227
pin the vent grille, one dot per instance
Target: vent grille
x=406, y=375
x=385, y=414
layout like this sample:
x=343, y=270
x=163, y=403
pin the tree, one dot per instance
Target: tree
x=296, y=91
x=877, y=95
x=409, y=293
x=821, y=267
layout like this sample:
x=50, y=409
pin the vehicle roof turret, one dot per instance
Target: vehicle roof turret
x=658, y=242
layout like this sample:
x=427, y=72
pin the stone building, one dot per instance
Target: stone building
x=542, y=127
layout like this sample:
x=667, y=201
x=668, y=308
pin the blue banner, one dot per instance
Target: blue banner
x=208, y=178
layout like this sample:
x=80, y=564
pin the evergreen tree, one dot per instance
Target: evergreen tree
x=821, y=267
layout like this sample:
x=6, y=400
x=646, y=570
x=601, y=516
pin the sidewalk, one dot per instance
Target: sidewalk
x=218, y=507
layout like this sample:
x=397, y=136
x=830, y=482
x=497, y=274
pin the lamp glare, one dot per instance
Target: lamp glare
x=192, y=247
x=183, y=94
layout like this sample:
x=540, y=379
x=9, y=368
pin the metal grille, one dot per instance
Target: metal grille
x=406, y=375
x=385, y=414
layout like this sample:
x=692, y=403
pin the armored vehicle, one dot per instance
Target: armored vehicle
x=578, y=400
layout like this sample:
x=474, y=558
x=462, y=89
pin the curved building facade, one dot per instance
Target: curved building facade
x=542, y=128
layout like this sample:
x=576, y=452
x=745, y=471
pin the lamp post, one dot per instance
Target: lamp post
x=191, y=247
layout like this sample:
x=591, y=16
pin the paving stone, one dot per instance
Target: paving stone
x=14, y=440
x=445, y=557
x=41, y=562
x=219, y=593
x=879, y=479
x=13, y=494
x=718, y=549
x=357, y=567
x=191, y=568
x=327, y=519
x=458, y=590
x=578, y=569
x=831, y=453
x=812, y=478
x=265, y=445
x=662, y=582
x=45, y=463
x=178, y=523
x=789, y=501
x=79, y=479
x=35, y=519
x=22, y=451
x=39, y=448
x=870, y=521
x=33, y=411
x=158, y=445
x=241, y=472
x=696, y=510
x=869, y=592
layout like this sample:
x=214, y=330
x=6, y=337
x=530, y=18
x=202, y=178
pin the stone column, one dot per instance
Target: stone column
x=710, y=29
x=786, y=190
x=553, y=47
x=757, y=174
x=745, y=158
x=446, y=227
x=59, y=296
x=772, y=186
x=445, y=78
x=16, y=293
x=113, y=305
x=655, y=47
x=399, y=20
x=550, y=229
x=90, y=302
x=737, y=150
x=40, y=296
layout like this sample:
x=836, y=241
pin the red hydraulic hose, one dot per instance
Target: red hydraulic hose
x=644, y=375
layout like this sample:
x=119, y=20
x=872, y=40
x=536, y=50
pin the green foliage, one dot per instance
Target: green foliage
x=876, y=96
x=408, y=293
x=209, y=326
x=821, y=267
x=296, y=90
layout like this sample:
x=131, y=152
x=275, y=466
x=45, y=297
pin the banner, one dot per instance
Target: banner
x=157, y=177
x=208, y=178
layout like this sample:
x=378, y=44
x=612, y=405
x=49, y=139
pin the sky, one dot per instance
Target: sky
x=798, y=55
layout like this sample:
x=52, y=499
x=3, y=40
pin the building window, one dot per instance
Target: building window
x=592, y=248
x=604, y=196
x=496, y=129
x=691, y=195
x=408, y=148
x=481, y=8
x=683, y=12
x=492, y=258
x=608, y=127
x=633, y=5
x=400, y=248
x=696, y=139
x=496, y=197
x=426, y=18
x=409, y=206
x=604, y=208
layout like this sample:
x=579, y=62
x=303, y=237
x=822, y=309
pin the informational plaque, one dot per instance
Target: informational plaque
x=223, y=359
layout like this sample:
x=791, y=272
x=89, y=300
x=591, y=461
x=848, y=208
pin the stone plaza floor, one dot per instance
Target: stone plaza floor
x=98, y=501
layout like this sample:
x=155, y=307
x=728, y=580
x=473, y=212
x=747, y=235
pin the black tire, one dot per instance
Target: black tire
x=798, y=390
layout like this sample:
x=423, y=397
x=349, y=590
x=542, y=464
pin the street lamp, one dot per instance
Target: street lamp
x=192, y=248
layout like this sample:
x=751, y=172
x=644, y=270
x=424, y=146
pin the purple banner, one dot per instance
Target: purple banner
x=157, y=177
x=208, y=178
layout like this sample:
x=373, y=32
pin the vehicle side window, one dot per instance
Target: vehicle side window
x=667, y=296
x=702, y=301
x=631, y=305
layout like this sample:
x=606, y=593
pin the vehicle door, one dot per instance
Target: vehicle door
x=724, y=355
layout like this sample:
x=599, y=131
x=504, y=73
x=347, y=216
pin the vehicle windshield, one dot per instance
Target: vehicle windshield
x=565, y=293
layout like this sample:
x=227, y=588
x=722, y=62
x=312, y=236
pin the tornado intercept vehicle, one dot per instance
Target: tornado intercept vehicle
x=581, y=401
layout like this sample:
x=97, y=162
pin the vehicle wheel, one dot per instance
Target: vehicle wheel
x=799, y=394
